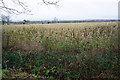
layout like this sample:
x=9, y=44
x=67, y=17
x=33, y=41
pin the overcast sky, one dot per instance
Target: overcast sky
x=71, y=10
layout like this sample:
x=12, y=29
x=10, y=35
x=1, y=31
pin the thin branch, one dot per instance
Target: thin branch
x=51, y=3
x=23, y=6
x=9, y=10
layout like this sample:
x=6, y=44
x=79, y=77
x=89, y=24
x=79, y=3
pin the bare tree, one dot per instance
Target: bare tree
x=55, y=20
x=5, y=20
x=10, y=10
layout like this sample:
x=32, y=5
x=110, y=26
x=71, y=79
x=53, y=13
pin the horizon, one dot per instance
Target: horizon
x=68, y=20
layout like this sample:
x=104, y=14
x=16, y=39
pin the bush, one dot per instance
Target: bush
x=60, y=66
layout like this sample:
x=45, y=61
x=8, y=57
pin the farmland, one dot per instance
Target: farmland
x=61, y=51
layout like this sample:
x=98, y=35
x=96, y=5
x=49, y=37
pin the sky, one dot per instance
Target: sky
x=69, y=10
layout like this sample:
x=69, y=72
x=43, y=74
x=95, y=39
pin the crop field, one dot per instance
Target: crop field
x=61, y=51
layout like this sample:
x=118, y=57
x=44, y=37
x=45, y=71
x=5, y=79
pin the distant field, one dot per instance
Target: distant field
x=51, y=36
x=64, y=51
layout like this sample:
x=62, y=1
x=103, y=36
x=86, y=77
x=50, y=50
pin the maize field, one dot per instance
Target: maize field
x=61, y=37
